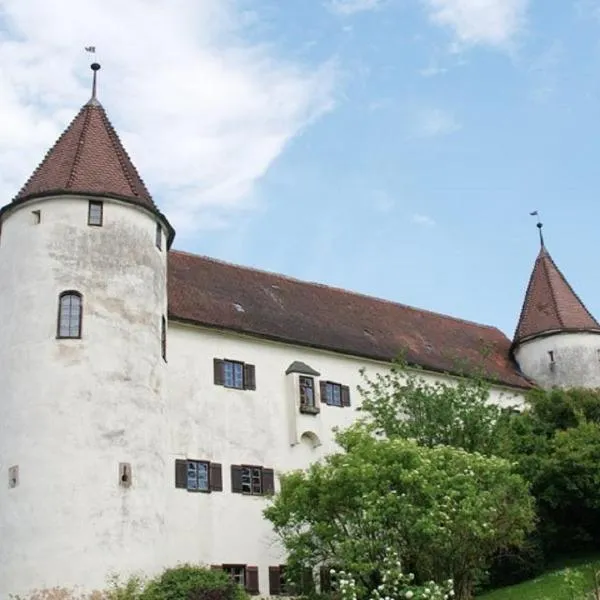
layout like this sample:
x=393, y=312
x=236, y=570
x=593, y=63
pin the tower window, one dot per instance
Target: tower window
x=69, y=315
x=95, y=210
x=163, y=338
x=158, y=236
x=37, y=216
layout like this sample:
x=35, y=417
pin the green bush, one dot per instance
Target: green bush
x=189, y=582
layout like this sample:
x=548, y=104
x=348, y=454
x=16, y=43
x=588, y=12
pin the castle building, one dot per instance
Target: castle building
x=150, y=397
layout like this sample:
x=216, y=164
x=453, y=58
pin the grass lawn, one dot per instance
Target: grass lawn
x=551, y=585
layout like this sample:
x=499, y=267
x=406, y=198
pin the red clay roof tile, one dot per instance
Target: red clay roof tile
x=550, y=303
x=215, y=294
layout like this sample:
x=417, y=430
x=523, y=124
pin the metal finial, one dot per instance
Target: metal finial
x=539, y=225
x=95, y=68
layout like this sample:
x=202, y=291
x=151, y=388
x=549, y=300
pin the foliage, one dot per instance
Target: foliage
x=189, y=582
x=577, y=580
x=456, y=412
x=395, y=584
x=185, y=582
x=556, y=443
x=444, y=510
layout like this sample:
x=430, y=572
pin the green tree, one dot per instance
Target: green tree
x=455, y=412
x=556, y=443
x=443, y=510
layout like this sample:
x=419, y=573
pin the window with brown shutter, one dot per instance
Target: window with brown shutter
x=335, y=394
x=198, y=476
x=234, y=374
x=252, y=586
x=237, y=573
x=252, y=480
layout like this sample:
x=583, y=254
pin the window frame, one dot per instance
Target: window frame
x=59, y=319
x=327, y=394
x=229, y=567
x=163, y=337
x=233, y=364
x=196, y=463
x=158, y=236
x=100, y=205
x=248, y=374
x=307, y=407
x=214, y=475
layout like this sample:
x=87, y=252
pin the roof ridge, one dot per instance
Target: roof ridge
x=553, y=299
x=336, y=288
x=77, y=157
x=119, y=149
x=571, y=290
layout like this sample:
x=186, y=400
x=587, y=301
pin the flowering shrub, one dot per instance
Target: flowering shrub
x=395, y=585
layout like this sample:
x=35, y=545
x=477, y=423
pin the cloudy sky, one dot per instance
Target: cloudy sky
x=392, y=147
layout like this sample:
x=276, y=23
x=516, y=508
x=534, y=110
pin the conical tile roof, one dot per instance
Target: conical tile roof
x=550, y=303
x=88, y=158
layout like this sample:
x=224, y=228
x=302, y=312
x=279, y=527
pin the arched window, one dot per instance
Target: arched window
x=69, y=315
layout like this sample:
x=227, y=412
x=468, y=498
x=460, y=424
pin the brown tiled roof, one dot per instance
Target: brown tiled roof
x=88, y=158
x=215, y=294
x=550, y=303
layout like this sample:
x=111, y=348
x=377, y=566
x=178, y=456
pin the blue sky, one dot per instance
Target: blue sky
x=397, y=149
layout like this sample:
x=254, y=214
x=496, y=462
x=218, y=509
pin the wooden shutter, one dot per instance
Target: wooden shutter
x=181, y=474
x=274, y=581
x=252, y=580
x=268, y=481
x=325, y=579
x=219, y=371
x=216, y=477
x=249, y=377
x=345, y=395
x=236, y=479
x=307, y=581
x=323, y=386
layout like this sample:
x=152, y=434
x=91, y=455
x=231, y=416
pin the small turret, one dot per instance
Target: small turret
x=557, y=340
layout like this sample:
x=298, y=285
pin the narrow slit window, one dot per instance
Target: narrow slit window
x=95, y=213
x=163, y=338
x=158, y=236
x=69, y=315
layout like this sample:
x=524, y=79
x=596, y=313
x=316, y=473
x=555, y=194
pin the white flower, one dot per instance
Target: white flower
x=408, y=595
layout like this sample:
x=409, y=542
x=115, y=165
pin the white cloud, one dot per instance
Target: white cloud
x=436, y=122
x=350, y=7
x=487, y=22
x=203, y=112
x=422, y=220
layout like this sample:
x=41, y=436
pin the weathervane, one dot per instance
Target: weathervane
x=539, y=225
x=95, y=68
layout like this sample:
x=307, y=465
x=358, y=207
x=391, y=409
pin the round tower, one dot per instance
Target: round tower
x=557, y=340
x=83, y=434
